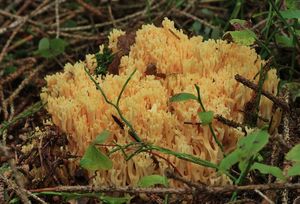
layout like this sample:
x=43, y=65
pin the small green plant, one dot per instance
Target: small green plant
x=294, y=156
x=280, y=32
x=243, y=35
x=148, y=181
x=152, y=180
x=116, y=105
x=206, y=117
x=93, y=159
x=246, y=155
x=103, y=60
x=49, y=48
x=26, y=113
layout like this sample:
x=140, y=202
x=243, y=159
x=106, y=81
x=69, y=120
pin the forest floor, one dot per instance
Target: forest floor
x=81, y=26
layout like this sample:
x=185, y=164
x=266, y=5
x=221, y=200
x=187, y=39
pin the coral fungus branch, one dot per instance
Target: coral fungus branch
x=152, y=123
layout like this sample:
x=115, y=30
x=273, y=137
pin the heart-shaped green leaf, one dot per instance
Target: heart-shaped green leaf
x=94, y=160
x=284, y=40
x=230, y=160
x=152, y=180
x=183, y=97
x=253, y=143
x=267, y=169
x=57, y=46
x=49, y=48
x=294, y=170
x=44, y=44
x=238, y=21
x=243, y=37
x=294, y=154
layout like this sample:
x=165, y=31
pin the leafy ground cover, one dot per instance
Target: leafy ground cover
x=39, y=37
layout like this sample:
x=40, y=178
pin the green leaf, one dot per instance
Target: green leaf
x=57, y=46
x=49, y=48
x=294, y=154
x=253, y=143
x=243, y=165
x=284, y=40
x=238, y=21
x=45, y=53
x=115, y=200
x=206, y=117
x=247, y=147
x=267, y=169
x=100, y=139
x=244, y=37
x=94, y=160
x=183, y=97
x=288, y=14
x=230, y=160
x=44, y=44
x=151, y=180
x=196, y=27
x=292, y=4
x=294, y=170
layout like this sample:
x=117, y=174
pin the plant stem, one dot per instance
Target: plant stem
x=116, y=106
x=242, y=176
x=209, y=125
x=290, y=29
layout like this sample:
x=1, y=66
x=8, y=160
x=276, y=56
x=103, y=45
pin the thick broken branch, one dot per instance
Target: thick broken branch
x=159, y=190
x=277, y=101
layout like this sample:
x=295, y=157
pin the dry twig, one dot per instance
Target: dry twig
x=264, y=196
x=4, y=49
x=19, y=191
x=23, y=84
x=179, y=191
x=278, y=101
x=230, y=123
x=57, y=17
x=90, y=8
x=195, y=18
x=99, y=25
x=134, y=190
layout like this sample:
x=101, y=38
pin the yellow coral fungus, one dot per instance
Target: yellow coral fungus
x=80, y=110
